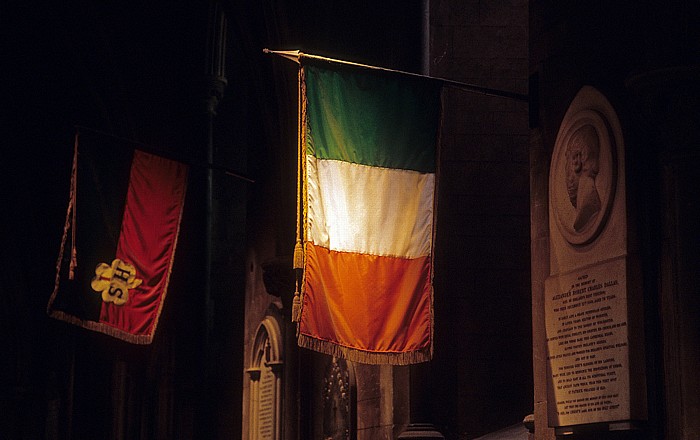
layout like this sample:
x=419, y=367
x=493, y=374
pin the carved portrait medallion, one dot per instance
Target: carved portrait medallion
x=582, y=176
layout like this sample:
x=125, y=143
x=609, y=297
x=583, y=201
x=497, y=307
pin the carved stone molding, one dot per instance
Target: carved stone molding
x=278, y=277
x=337, y=401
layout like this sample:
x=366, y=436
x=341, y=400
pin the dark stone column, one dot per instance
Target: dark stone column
x=213, y=85
x=664, y=169
x=421, y=402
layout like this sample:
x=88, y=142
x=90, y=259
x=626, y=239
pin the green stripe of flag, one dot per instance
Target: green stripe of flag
x=370, y=118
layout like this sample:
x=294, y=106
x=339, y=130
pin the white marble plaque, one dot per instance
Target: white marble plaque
x=587, y=340
x=593, y=297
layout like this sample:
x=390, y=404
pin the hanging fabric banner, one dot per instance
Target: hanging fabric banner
x=368, y=142
x=123, y=221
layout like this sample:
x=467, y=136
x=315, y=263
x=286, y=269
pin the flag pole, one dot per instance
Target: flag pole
x=296, y=56
x=168, y=154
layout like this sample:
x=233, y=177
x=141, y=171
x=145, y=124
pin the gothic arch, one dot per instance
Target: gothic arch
x=265, y=386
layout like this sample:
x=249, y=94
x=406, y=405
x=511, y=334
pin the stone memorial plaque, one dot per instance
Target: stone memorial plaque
x=587, y=341
x=593, y=296
x=266, y=415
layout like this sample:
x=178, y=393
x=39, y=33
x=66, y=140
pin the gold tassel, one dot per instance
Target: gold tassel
x=73, y=263
x=298, y=256
x=296, y=307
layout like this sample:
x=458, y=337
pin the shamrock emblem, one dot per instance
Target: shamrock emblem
x=115, y=281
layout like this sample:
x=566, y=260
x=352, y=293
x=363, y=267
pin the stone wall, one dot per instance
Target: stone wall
x=482, y=367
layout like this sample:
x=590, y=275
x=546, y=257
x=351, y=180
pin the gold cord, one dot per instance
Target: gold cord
x=72, y=206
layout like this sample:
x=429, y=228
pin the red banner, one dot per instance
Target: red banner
x=121, y=282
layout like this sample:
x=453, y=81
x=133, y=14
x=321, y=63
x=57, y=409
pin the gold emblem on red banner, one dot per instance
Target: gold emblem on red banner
x=114, y=281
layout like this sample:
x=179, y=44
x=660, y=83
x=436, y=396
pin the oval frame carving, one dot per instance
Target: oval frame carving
x=583, y=171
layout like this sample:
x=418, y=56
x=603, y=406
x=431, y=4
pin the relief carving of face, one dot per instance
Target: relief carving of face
x=581, y=170
x=573, y=171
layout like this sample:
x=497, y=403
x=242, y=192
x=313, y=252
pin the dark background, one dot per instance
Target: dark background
x=137, y=71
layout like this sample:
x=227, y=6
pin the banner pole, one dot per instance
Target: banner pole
x=296, y=56
x=169, y=155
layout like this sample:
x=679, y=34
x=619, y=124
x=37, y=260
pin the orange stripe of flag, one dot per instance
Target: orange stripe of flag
x=379, y=304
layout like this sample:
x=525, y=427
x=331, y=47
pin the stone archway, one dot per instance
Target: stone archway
x=265, y=387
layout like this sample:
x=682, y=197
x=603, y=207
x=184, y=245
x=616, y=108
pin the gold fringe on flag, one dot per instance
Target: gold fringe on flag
x=365, y=357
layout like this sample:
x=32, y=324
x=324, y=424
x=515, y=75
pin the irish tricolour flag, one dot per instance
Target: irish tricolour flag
x=369, y=186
